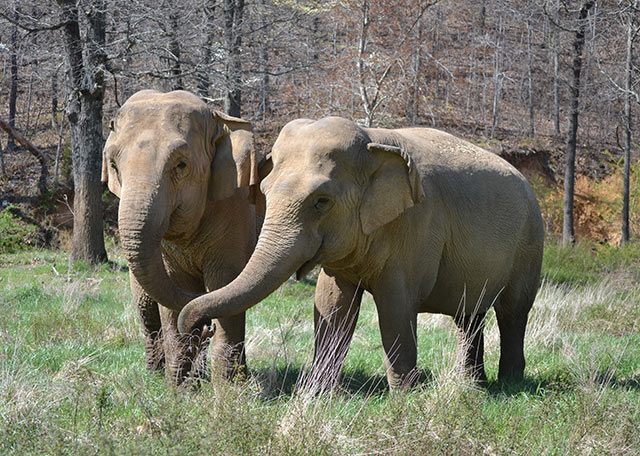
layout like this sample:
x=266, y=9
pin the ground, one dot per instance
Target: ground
x=73, y=381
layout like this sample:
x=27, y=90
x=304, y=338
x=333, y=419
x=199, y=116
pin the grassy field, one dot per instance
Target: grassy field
x=72, y=377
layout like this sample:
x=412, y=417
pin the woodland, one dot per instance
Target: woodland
x=552, y=86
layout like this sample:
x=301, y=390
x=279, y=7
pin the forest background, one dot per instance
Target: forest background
x=499, y=73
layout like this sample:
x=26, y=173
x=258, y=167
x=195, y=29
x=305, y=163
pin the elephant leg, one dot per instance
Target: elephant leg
x=151, y=326
x=398, y=320
x=227, y=350
x=471, y=339
x=178, y=361
x=227, y=347
x=337, y=304
x=512, y=310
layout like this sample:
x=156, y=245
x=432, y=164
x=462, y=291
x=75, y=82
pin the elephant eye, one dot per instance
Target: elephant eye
x=181, y=165
x=322, y=204
x=114, y=167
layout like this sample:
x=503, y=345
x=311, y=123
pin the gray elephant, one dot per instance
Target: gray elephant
x=183, y=174
x=424, y=221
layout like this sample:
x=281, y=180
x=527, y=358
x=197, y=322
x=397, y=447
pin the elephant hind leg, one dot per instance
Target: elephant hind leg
x=512, y=312
x=471, y=341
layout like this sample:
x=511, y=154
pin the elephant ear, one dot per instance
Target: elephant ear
x=394, y=186
x=264, y=168
x=234, y=163
x=113, y=183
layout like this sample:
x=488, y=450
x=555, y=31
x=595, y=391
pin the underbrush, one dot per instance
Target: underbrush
x=72, y=376
x=15, y=233
x=597, y=204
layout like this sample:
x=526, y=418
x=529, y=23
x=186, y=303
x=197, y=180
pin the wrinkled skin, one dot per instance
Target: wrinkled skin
x=424, y=221
x=182, y=173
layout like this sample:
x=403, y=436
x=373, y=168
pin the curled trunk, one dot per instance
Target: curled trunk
x=279, y=254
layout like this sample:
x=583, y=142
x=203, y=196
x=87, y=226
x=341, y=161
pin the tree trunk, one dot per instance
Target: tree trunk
x=265, y=107
x=497, y=91
x=2, y=168
x=412, y=108
x=362, y=46
x=174, y=51
x=13, y=90
x=530, y=82
x=86, y=89
x=204, y=81
x=233, y=10
x=627, y=124
x=556, y=87
x=556, y=74
x=568, y=235
x=27, y=124
x=54, y=98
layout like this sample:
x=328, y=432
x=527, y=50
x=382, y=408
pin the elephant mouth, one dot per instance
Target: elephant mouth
x=306, y=267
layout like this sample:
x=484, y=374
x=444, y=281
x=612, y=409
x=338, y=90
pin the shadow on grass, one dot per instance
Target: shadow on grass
x=604, y=378
x=283, y=381
x=528, y=385
x=561, y=383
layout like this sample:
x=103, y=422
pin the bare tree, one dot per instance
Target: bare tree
x=85, y=81
x=530, y=97
x=568, y=233
x=632, y=32
x=204, y=78
x=233, y=19
x=372, y=76
x=173, y=56
x=13, y=92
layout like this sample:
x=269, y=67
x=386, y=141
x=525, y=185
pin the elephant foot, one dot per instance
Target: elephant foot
x=511, y=374
x=478, y=376
x=403, y=382
x=322, y=377
x=228, y=361
x=154, y=353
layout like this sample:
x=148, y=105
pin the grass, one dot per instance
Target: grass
x=72, y=376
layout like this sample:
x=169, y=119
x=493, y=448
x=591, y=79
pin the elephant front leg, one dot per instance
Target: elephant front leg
x=337, y=304
x=227, y=348
x=398, y=319
x=178, y=357
x=151, y=326
x=471, y=341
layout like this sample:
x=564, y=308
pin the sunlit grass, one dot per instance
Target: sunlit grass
x=72, y=376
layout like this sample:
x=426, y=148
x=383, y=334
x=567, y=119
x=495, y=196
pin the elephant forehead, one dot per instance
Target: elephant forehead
x=299, y=185
x=184, y=118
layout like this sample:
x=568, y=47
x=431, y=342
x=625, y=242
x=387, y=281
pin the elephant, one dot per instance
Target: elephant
x=422, y=220
x=185, y=176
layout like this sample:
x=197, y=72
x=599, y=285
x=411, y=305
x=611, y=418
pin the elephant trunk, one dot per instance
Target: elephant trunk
x=280, y=252
x=142, y=221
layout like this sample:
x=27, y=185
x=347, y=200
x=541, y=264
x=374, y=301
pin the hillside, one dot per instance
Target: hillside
x=496, y=73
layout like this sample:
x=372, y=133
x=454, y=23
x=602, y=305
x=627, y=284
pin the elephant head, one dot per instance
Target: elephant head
x=167, y=157
x=332, y=186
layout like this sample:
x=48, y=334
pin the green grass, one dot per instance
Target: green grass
x=587, y=263
x=72, y=376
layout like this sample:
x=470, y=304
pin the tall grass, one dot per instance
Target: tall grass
x=72, y=376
